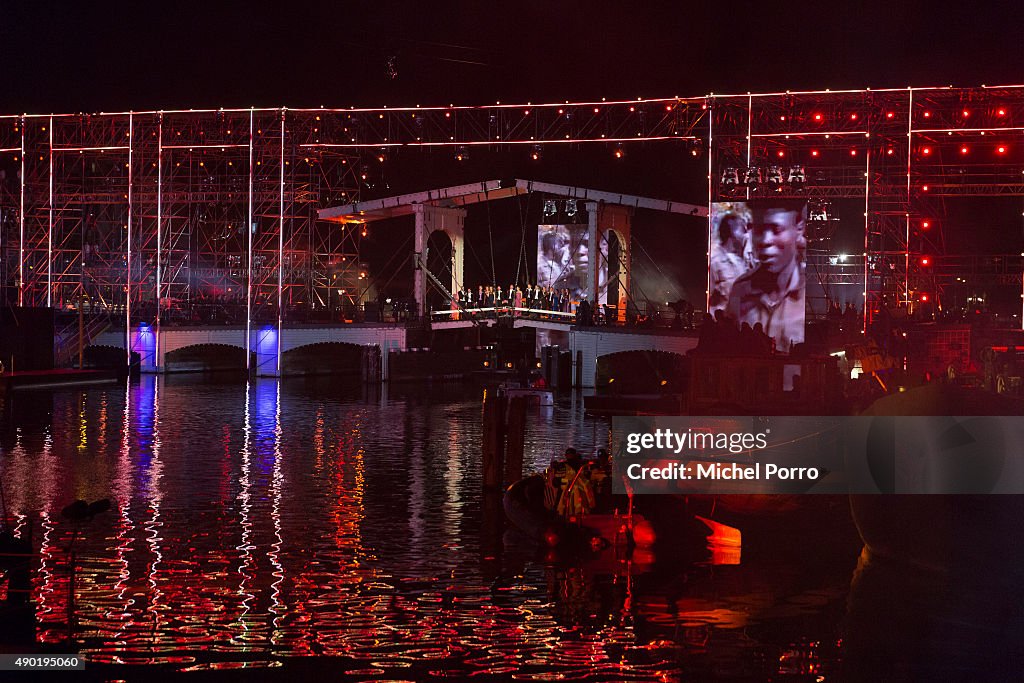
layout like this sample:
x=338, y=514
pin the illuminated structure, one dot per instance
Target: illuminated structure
x=151, y=213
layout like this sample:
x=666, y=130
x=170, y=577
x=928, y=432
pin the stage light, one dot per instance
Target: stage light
x=853, y=117
x=1001, y=112
x=925, y=261
x=924, y=298
x=966, y=113
x=781, y=153
x=853, y=152
x=924, y=188
x=890, y=151
x=535, y=153
x=927, y=114
x=1001, y=149
x=814, y=152
x=926, y=150
x=817, y=117
x=461, y=154
x=964, y=150
x=596, y=110
x=782, y=118
x=619, y=153
x=890, y=115
x=925, y=225
x=752, y=177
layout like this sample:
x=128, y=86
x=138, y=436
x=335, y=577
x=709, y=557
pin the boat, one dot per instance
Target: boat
x=524, y=507
x=538, y=395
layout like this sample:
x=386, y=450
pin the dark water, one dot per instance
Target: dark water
x=300, y=527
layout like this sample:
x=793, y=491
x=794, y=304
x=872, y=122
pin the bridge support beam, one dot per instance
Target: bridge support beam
x=430, y=219
x=605, y=220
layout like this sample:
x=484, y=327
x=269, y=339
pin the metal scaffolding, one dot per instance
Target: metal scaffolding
x=211, y=215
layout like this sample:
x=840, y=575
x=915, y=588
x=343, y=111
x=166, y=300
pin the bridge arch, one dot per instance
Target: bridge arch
x=319, y=358
x=205, y=356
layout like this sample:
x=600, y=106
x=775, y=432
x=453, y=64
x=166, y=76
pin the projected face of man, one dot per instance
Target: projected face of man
x=776, y=234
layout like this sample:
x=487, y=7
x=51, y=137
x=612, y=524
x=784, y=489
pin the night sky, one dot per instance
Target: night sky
x=95, y=56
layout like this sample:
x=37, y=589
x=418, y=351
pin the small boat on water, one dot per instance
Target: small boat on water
x=538, y=395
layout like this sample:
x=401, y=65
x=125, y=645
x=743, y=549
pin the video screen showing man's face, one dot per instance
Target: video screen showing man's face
x=776, y=235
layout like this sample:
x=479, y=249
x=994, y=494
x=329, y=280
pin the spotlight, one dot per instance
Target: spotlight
x=964, y=150
x=535, y=153
x=1001, y=112
x=925, y=225
x=618, y=153
x=780, y=153
x=1001, y=149
x=752, y=177
x=817, y=117
x=926, y=151
x=814, y=152
x=730, y=177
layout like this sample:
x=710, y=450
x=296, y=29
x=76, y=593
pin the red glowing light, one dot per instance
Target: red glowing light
x=964, y=150
x=814, y=152
x=1001, y=149
x=927, y=114
x=817, y=117
x=925, y=225
x=1001, y=112
x=924, y=298
x=926, y=150
x=782, y=118
x=618, y=154
x=526, y=112
x=889, y=115
x=890, y=151
x=596, y=110
x=853, y=117
x=781, y=153
x=853, y=152
x=925, y=261
x=668, y=107
x=924, y=188
x=966, y=113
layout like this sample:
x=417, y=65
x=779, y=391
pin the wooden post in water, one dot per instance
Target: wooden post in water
x=516, y=436
x=494, y=441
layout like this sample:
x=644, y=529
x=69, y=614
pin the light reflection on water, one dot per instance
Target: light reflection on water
x=256, y=523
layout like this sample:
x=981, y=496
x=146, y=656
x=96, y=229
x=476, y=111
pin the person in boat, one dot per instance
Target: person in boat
x=600, y=479
x=577, y=496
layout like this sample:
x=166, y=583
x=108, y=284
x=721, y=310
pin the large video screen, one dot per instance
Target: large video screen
x=756, y=262
x=563, y=258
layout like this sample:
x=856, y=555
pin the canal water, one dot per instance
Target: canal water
x=302, y=526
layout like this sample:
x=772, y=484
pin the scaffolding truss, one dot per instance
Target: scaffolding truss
x=211, y=215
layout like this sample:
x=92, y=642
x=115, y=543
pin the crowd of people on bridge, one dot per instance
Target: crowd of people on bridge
x=531, y=297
